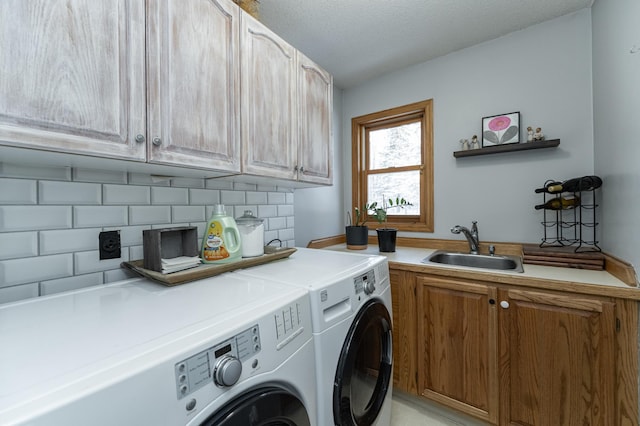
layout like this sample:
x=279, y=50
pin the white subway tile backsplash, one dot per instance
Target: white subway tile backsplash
x=35, y=172
x=114, y=275
x=126, y=194
x=187, y=183
x=162, y=195
x=142, y=179
x=147, y=215
x=188, y=213
x=277, y=197
x=18, y=244
x=286, y=234
x=257, y=198
x=101, y=176
x=18, y=292
x=266, y=188
x=136, y=252
x=99, y=216
x=243, y=186
x=270, y=236
x=285, y=210
x=32, y=218
x=71, y=283
x=232, y=197
x=267, y=211
x=218, y=184
x=53, y=192
x=33, y=269
x=68, y=240
x=50, y=219
x=204, y=197
x=130, y=235
x=276, y=223
x=18, y=191
x=89, y=261
x=291, y=222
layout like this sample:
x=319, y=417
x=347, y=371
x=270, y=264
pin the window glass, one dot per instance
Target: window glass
x=395, y=146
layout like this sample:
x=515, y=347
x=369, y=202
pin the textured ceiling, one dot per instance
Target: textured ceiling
x=356, y=40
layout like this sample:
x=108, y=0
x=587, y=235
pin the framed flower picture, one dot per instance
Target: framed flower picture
x=501, y=129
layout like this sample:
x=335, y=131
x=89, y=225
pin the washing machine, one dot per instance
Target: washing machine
x=224, y=351
x=351, y=316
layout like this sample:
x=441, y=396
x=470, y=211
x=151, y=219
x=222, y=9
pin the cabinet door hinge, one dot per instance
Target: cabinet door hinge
x=618, y=325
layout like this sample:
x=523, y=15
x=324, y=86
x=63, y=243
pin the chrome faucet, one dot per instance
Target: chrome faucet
x=472, y=236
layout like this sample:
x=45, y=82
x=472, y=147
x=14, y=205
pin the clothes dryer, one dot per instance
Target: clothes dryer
x=224, y=351
x=351, y=316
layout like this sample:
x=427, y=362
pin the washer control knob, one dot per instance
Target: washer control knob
x=369, y=287
x=226, y=371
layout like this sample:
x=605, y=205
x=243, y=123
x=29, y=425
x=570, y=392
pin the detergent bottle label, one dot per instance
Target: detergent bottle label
x=214, y=246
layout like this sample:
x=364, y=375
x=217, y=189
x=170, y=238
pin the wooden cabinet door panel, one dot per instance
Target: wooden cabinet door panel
x=268, y=102
x=73, y=76
x=193, y=79
x=557, y=359
x=403, y=301
x=314, y=117
x=457, y=329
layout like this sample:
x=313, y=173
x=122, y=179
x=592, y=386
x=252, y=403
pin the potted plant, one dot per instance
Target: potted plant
x=386, y=235
x=357, y=233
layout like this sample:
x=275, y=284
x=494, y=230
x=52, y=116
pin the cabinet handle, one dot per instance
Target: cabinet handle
x=504, y=304
x=157, y=141
x=295, y=168
x=301, y=169
x=139, y=138
x=492, y=301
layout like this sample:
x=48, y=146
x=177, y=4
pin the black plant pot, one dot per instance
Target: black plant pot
x=387, y=239
x=357, y=237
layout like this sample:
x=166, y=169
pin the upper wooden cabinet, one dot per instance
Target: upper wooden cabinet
x=315, y=100
x=74, y=79
x=286, y=109
x=73, y=76
x=193, y=78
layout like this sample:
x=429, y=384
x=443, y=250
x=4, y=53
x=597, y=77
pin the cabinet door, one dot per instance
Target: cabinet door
x=557, y=359
x=457, y=328
x=403, y=301
x=193, y=78
x=315, y=95
x=73, y=76
x=268, y=102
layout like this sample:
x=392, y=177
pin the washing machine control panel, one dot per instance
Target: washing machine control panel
x=221, y=363
x=365, y=282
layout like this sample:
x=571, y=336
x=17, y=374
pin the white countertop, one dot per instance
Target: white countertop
x=412, y=256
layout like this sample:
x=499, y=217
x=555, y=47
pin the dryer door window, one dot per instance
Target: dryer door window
x=270, y=406
x=364, y=369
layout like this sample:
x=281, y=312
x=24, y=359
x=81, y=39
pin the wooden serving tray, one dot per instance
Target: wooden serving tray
x=208, y=270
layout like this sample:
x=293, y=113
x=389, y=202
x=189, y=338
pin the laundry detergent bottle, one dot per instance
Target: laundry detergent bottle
x=221, y=242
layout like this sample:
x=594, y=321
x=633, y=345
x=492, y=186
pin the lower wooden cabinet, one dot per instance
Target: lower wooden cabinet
x=513, y=355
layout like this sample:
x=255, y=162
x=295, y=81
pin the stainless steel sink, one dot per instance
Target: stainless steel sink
x=500, y=263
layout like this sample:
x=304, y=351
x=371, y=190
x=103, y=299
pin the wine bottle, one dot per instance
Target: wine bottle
x=585, y=183
x=559, y=203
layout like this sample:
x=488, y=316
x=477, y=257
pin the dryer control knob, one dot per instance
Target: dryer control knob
x=369, y=287
x=226, y=371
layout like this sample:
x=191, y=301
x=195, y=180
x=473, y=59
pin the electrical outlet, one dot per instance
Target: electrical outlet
x=109, y=245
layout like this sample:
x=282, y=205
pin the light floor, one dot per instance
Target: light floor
x=410, y=411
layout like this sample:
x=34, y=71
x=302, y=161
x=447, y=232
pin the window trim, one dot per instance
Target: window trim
x=422, y=110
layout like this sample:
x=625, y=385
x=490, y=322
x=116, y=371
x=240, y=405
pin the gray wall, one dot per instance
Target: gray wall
x=50, y=218
x=616, y=99
x=544, y=72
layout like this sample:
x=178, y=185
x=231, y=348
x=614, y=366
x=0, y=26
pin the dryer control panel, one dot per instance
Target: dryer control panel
x=365, y=282
x=196, y=371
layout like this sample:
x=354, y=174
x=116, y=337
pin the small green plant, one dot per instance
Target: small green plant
x=379, y=212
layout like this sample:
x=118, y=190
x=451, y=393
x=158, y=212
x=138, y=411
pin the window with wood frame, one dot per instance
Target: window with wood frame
x=392, y=156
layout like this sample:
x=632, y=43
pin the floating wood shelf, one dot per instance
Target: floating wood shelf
x=512, y=147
